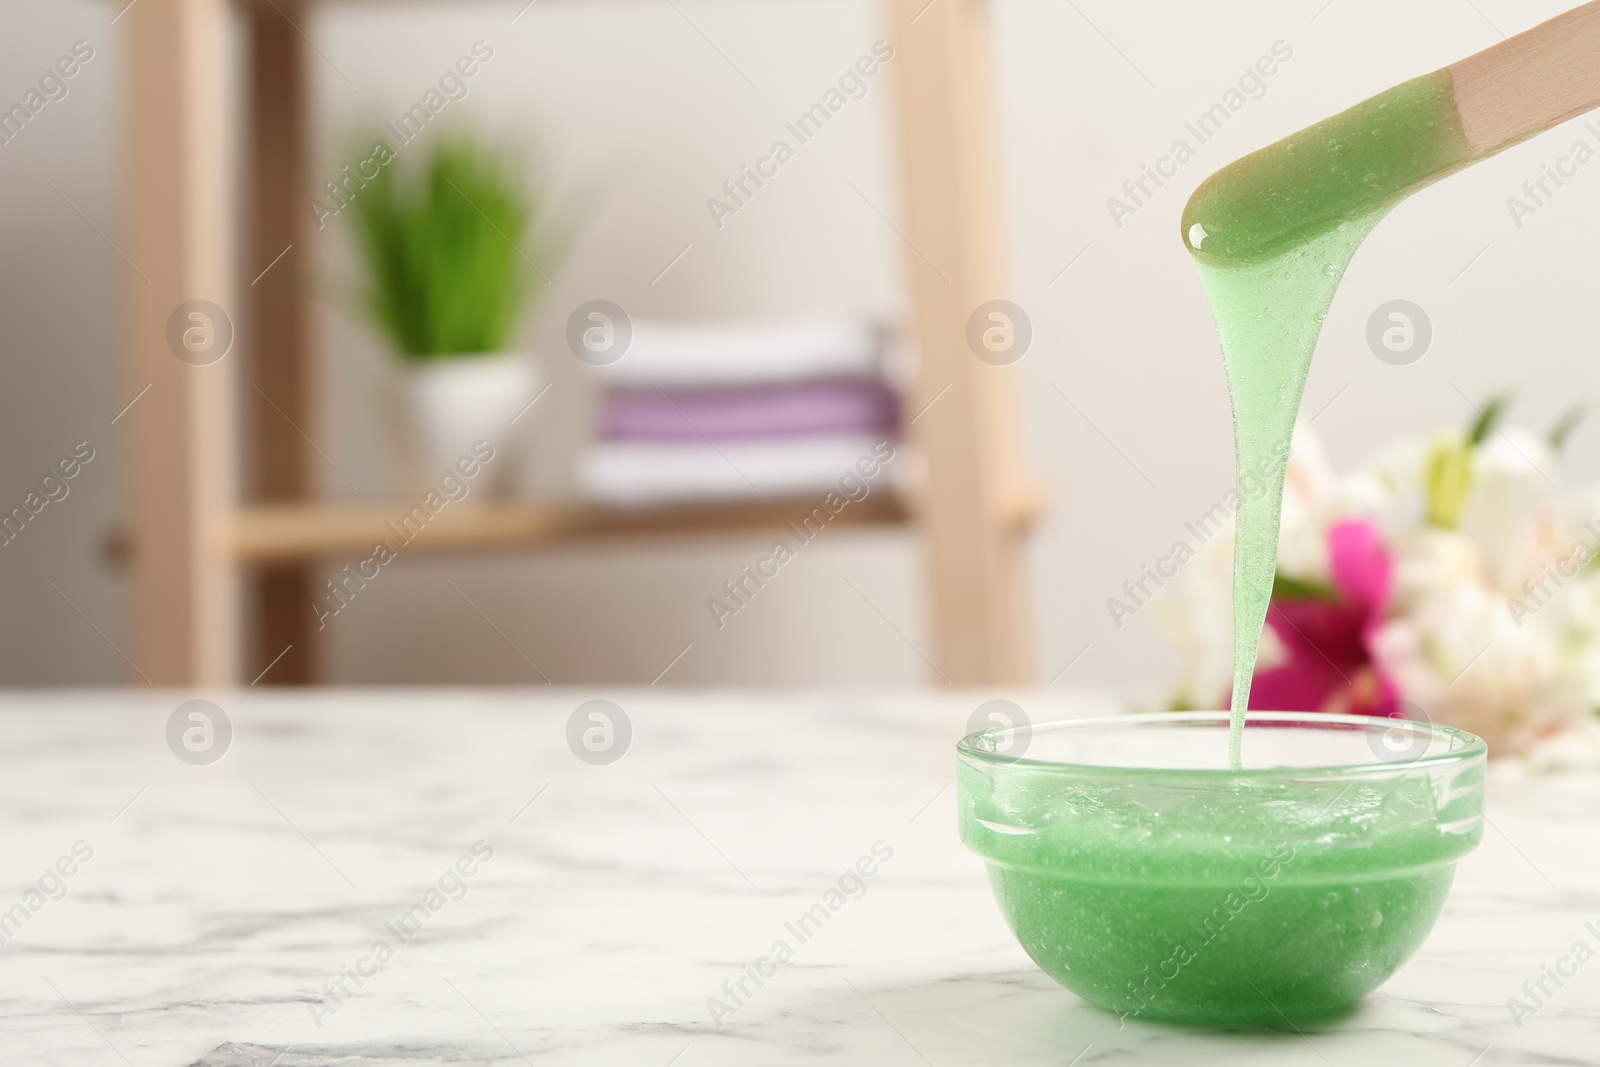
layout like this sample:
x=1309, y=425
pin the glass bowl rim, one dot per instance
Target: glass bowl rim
x=1475, y=748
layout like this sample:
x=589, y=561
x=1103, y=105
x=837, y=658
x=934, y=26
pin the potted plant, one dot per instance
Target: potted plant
x=450, y=254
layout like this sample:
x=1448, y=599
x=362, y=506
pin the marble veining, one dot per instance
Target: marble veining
x=229, y=914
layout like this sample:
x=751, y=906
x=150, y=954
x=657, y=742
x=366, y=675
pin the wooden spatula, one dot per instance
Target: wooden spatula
x=1368, y=158
x=1530, y=82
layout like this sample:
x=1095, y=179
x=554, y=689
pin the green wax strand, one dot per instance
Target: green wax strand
x=1268, y=315
x=1271, y=235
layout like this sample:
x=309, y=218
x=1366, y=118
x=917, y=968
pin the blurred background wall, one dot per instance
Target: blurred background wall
x=648, y=107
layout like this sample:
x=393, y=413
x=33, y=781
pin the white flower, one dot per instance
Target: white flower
x=1494, y=619
x=1494, y=623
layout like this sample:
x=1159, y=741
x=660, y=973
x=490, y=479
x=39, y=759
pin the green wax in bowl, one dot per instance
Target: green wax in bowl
x=1146, y=875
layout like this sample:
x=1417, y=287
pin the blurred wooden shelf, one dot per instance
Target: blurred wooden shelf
x=272, y=533
x=187, y=61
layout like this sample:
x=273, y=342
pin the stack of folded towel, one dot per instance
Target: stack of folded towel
x=716, y=413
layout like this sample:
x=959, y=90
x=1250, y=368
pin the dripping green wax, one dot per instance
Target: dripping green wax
x=1271, y=235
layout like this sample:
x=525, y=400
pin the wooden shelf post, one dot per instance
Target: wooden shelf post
x=280, y=391
x=178, y=226
x=970, y=435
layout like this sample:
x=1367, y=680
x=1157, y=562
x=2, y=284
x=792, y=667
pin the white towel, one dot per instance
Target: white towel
x=666, y=354
x=643, y=474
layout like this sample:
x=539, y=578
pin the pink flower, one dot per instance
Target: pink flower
x=1326, y=633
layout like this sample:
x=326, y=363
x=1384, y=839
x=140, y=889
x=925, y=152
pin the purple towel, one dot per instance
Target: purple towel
x=780, y=410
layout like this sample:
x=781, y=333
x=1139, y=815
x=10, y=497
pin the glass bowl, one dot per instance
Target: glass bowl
x=1144, y=875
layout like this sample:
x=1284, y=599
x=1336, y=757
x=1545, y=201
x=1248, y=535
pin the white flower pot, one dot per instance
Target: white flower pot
x=457, y=401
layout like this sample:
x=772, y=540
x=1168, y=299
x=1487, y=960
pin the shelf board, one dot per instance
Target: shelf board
x=283, y=533
x=276, y=533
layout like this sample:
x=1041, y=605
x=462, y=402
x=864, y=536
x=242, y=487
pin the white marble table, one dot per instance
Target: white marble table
x=222, y=902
